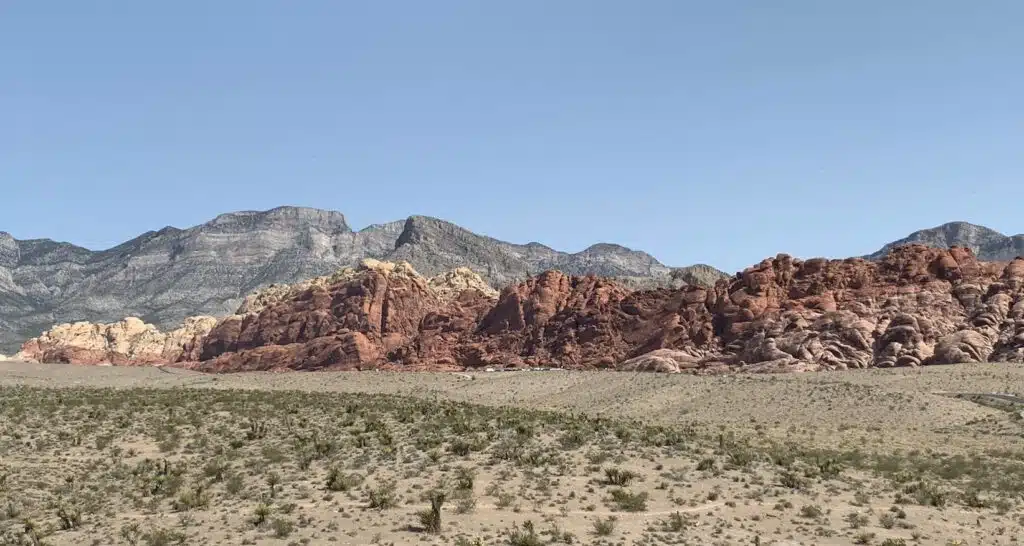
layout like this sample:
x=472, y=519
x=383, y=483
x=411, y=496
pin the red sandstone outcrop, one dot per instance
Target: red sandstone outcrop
x=917, y=306
x=362, y=320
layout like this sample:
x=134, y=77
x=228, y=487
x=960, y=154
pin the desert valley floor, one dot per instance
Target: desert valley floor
x=150, y=456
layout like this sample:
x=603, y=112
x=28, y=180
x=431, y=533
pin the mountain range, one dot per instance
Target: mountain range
x=163, y=276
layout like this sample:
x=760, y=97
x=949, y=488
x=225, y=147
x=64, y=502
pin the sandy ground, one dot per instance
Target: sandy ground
x=906, y=407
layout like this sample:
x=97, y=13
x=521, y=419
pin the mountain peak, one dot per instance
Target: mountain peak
x=960, y=232
x=10, y=253
x=328, y=220
x=610, y=247
x=420, y=229
x=988, y=244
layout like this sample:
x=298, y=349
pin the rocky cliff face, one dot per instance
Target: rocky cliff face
x=986, y=243
x=917, y=306
x=166, y=275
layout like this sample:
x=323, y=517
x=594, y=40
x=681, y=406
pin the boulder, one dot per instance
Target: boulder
x=661, y=360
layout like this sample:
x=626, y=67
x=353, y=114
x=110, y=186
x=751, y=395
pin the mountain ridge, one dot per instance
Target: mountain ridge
x=165, y=275
x=168, y=274
x=988, y=244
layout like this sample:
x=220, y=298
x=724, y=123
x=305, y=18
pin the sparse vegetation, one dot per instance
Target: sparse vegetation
x=148, y=467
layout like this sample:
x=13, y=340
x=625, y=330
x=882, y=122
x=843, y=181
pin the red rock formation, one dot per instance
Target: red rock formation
x=918, y=306
x=386, y=314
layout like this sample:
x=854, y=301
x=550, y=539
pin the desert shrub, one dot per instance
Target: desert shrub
x=192, y=499
x=504, y=500
x=811, y=512
x=282, y=527
x=464, y=478
x=70, y=517
x=856, y=520
x=572, y=440
x=384, y=496
x=164, y=537
x=926, y=494
x=339, y=481
x=740, y=456
x=465, y=505
x=273, y=454
x=257, y=429
x=887, y=520
x=260, y=515
x=629, y=502
x=215, y=469
x=828, y=467
x=971, y=498
x=523, y=536
x=323, y=446
x=235, y=484
x=103, y=440
x=619, y=477
x=792, y=480
x=131, y=533
x=676, y=523
x=863, y=538
x=509, y=449
x=460, y=447
x=605, y=526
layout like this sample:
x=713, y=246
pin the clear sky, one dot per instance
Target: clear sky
x=700, y=131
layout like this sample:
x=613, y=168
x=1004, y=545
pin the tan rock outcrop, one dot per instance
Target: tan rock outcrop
x=661, y=360
x=449, y=285
x=127, y=342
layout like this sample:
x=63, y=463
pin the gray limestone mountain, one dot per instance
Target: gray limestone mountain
x=987, y=244
x=163, y=276
x=434, y=246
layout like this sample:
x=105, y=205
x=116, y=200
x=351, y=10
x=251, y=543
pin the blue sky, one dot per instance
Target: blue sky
x=718, y=132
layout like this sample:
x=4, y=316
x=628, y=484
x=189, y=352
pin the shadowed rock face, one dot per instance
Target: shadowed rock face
x=164, y=276
x=918, y=306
